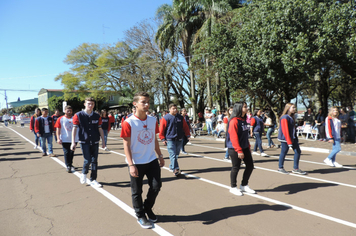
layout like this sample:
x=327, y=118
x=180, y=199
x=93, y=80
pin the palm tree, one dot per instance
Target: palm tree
x=179, y=24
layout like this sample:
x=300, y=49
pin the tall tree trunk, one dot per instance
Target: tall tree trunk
x=192, y=91
x=209, y=98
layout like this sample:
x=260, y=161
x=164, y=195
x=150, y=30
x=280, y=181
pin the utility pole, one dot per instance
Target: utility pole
x=7, y=107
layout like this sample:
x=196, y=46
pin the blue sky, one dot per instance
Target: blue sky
x=36, y=36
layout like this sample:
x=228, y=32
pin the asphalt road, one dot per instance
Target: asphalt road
x=38, y=197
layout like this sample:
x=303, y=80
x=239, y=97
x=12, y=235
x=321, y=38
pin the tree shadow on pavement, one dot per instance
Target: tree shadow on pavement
x=19, y=159
x=328, y=171
x=18, y=153
x=123, y=184
x=7, y=149
x=216, y=215
x=111, y=166
x=265, y=160
x=210, y=152
x=297, y=187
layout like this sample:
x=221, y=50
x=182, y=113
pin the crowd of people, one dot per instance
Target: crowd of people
x=140, y=128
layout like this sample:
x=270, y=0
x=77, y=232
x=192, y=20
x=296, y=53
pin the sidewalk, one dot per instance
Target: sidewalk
x=305, y=145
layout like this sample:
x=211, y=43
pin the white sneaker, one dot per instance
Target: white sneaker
x=328, y=162
x=83, y=178
x=35, y=147
x=247, y=189
x=337, y=164
x=264, y=154
x=255, y=153
x=72, y=169
x=95, y=184
x=236, y=191
x=106, y=149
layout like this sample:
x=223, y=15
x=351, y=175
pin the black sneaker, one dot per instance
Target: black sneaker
x=144, y=222
x=151, y=216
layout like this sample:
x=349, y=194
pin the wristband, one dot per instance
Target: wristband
x=161, y=155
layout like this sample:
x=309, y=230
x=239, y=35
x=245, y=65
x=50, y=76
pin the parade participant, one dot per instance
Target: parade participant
x=288, y=137
x=185, y=138
x=226, y=121
x=171, y=132
x=32, y=126
x=55, y=117
x=44, y=127
x=239, y=149
x=64, y=127
x=257, y=129
x=111, y=121
x=88, y=124
x=333, y=133
x=128, y=115
x=106, y=127
x=140, y=144
x=22, y=120
x=269, y=124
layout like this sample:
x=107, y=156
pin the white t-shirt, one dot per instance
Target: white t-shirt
x=337, y=127
x=46, y=125
x=143, y=136
x=66, y=126
x=208, y=115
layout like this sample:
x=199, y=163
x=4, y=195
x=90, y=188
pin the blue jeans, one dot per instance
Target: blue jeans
x=335, y=150
x=68, y=154
x=217, y=132
x=6, y=122
x=209, y=126
x=284, y=151
x=174, y=148
x=49, y=138
x=37, y=139
x=269, y=133
x=258, y=142
x=90, y=154
x=105, y=136
x=227, y=153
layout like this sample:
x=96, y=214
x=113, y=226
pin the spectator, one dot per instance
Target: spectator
x=220, y=128
x=208, y=121
x=320, y=123
x=309, y=117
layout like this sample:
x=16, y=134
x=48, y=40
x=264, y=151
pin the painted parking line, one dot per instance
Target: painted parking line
x=314, y=213
x=159, y=230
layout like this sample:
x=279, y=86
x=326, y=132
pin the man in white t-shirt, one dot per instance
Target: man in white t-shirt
x=140, y=144
x=64, y=127
x=208, y=121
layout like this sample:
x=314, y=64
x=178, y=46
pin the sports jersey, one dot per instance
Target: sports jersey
x=66, y=125
x=143, y=136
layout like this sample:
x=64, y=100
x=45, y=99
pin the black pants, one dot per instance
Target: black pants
x=236, y=163
x=153, y=173
x=68, y=154
x=321, y=130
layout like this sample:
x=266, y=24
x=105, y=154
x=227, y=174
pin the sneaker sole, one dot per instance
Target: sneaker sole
x=143, y=226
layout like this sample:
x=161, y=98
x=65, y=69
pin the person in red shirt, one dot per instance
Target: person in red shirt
x=140, y=144
x=55, y=117
x=32, y=126
x=239, y=148
x=111, y=120
x=44, y=127
x=64, y=126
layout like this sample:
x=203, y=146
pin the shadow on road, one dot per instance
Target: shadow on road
x=18, y=153
x=213, y=216
x=297, y=187
x=328, y=171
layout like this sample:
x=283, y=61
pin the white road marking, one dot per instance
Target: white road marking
x=314, y=213
x=159, y=230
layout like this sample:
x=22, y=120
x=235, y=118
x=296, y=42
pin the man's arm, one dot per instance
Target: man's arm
x=58, y=133
x=74, y=132
x=159, y=153
x=128, y=154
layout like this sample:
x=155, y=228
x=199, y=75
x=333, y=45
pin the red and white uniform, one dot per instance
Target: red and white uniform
x=66, y=125
x=143, y=136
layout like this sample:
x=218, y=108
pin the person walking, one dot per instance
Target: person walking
x=44, y=127
x=55, y=117
x=269, y=124
x=333, y=134
x=239, y=149
x=64, y=127
x=88, y=124
x=6, y=118
x=257, y=129
x=106, y=127
x=288, y=137
x=185, y=138
x=32, y=127
x=171, y=131
x=226, y=121
x=22, y=120
x=140, y=144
